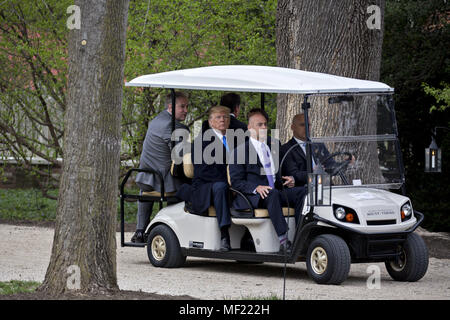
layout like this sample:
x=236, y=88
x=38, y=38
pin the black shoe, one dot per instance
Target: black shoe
x=225, y=244
x=285, y=247
x=138, y=237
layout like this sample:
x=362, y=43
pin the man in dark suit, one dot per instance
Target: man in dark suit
x=253, y=172
x=156, y=155
x=209, y=185
x=233, y=102
x=295, y=161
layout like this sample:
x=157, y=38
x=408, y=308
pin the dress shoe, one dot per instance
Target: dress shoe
x=285, y=247
x=138, y=237
x=225, y=244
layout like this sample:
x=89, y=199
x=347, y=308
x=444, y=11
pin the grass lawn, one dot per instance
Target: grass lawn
x=30, y=205
x=15, y=286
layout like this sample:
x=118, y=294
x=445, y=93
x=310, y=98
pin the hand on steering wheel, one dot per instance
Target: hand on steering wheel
x=342, y=165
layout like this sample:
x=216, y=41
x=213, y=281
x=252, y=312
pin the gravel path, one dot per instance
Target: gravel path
x=25, y=253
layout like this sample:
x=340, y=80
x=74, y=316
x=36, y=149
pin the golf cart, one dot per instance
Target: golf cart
x=355, y=212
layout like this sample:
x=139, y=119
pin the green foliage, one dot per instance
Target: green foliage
x=169, y=35
x=16, y=286
x=26, y=204
x=441, y=96
x=415, y=51
x=29, y=205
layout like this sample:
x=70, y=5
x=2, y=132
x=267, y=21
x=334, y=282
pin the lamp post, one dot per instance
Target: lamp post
x=433, y=154
x=319, y=187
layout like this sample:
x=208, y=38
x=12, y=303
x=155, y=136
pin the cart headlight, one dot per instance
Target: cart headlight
x=345, y=214
x=339, y=213
x=406, y=211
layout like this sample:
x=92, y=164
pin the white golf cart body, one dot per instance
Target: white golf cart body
x=378, y=211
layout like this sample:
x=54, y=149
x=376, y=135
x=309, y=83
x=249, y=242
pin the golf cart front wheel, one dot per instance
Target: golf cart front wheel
x=412, y=263
x=328, y=259
x=163, y=248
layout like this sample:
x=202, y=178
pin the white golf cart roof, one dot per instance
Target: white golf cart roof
x=258, y=79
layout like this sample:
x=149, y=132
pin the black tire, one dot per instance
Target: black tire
x=328, y=259
x=413, y=263
x=163, y=248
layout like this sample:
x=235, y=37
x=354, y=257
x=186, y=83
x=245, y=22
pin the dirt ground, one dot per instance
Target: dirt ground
x=25, y=252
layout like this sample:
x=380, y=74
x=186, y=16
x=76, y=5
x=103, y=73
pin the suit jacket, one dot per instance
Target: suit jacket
x=246, y=176
x=156, y=153
x=295, y=161
x=205, y=175
x=236, y=124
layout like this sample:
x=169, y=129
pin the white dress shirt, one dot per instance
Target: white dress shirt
x=303, y=146
x=258, y=145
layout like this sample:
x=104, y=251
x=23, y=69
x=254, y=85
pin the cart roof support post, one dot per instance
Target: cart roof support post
x=172, y=92
x=305, y=106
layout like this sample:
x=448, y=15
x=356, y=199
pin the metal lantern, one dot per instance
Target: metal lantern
x=319, y=187
x=433, y=157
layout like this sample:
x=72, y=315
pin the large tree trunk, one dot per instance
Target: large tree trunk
x=335, y=37
x=84, y=246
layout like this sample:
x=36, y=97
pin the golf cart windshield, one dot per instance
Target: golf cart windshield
x=359, y=126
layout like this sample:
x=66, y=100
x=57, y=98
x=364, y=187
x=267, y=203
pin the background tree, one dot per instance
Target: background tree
x=335, y=38
x=415, y=51
x=162, y=35
x=33, y=61
x=86, y=215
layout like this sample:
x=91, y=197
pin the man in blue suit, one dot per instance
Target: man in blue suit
x=253, y=172
x=209, y=185
x=233, y=102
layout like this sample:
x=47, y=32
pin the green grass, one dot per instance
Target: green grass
x=15, y=286
x=30, y=205
x=26, y=204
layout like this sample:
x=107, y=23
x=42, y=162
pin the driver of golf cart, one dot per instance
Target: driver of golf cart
x=295, y=162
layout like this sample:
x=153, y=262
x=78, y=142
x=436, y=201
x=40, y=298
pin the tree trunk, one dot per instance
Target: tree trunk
x=84, y=246
x=340, y=38
x=326, y=36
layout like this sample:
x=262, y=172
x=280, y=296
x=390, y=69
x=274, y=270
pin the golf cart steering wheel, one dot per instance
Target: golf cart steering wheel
x=342, y=165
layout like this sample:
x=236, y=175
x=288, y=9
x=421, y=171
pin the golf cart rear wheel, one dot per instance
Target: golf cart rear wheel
x=163, y=248
x=412, y=264
x=328, y=259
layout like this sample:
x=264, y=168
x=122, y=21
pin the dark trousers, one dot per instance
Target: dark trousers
x=278, y=199
x=220, y=200
x=144, y=208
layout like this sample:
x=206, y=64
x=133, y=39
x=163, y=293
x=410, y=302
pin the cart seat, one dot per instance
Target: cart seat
x=260, y=213
x=158, y=194
x=188, y=167
x=211, y=212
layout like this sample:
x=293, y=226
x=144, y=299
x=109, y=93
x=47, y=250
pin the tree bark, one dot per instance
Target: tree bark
x=335, y=37
x=325, y=36
x=84, y=246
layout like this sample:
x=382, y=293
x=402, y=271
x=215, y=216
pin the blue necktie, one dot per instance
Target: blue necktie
x=224, y=140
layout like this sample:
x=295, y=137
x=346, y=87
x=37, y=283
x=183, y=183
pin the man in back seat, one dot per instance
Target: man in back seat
x=209, y=185
x=253, y=173
x=156, y=155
